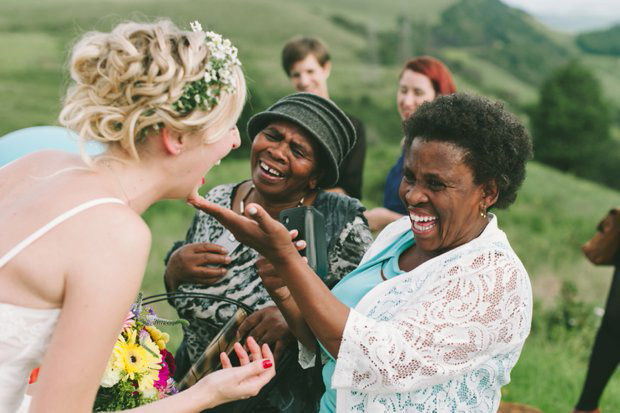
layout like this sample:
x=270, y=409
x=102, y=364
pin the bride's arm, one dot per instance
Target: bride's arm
x=102, y=280
x=102, y=277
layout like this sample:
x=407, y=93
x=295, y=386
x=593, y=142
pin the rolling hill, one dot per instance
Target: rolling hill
x=491, y=48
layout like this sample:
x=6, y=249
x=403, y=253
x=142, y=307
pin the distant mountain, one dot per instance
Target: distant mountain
x=601, y=42
x=503, y=35
x=574, y=23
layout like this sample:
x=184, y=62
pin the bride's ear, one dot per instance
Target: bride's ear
x=172, y=141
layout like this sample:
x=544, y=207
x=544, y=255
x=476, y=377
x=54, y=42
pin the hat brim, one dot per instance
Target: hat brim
x=261, y=120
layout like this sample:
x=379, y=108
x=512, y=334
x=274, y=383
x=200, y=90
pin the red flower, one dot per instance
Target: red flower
x=169, y=360
x=166, y=371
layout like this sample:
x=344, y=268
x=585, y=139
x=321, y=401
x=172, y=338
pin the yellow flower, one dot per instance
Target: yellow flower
x=147, y=381
x=158, y=336
x=137, y=361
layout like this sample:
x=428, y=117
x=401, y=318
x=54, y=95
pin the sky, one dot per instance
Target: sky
x=572, y=15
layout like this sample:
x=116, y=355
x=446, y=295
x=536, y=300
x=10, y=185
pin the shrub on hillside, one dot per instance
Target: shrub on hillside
x=568, y=316
x=571, y=125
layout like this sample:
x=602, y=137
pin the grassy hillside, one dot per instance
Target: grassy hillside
x=554, y=214
x=35, y=36
x=606, y=42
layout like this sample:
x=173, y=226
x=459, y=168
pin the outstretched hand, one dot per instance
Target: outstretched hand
x=269, y=327
x=233, y=383
x=256, y=229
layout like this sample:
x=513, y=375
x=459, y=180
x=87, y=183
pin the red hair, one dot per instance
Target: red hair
x=435, y=70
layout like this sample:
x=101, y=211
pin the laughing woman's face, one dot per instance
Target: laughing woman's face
x=439, y=192
x=284, y=161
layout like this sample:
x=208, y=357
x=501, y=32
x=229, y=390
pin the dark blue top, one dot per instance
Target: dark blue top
x=391, y=200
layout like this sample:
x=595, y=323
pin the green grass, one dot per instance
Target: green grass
x=492, y=78
x=554, y=214
x=550, y=375
x=606, y=69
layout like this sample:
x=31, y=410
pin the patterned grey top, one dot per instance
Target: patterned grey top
x=347, y=236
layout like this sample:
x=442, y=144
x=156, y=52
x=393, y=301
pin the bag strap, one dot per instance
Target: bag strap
x=180, y=294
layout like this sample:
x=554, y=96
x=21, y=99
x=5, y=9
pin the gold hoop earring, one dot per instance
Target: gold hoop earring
x=483, y=212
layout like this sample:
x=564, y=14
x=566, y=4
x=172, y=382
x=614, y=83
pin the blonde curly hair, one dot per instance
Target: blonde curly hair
x=126, y=81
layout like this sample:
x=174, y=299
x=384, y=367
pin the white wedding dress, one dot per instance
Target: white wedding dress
x=25, y=332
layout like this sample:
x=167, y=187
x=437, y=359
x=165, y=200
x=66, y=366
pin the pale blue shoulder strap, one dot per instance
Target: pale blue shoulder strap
x=53, y=223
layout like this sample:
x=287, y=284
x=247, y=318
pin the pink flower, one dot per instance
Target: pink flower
x=129, y=320
x=166, y=370
x=169, y=359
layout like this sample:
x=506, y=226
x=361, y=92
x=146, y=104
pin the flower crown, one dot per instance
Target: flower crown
x=205, y=92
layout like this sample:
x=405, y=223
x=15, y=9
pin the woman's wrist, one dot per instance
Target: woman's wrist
x=171, y=272
x=199, y=400
x=171, y=285
x=280, y=295
x=287, y=258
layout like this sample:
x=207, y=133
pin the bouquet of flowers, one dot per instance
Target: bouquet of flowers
x=140, y=368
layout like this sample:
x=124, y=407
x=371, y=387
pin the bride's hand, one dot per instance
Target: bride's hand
x=256, y=229
x=233, y=383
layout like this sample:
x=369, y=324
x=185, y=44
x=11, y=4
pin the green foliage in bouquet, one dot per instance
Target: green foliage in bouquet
x=121, y=396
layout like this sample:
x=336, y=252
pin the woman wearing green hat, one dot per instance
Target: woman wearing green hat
x=297, y=145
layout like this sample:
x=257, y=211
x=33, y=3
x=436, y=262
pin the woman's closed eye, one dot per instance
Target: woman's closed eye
x=300, y=151
x=272, y=136
x=435, y=184
x=408, y=177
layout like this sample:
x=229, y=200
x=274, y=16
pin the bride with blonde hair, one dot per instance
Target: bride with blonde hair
x=74, y=248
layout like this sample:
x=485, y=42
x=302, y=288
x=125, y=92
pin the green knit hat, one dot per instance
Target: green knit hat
x=321, y=118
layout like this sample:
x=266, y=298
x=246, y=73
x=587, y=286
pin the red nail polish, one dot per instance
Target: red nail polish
x=267, y=364
x=203, y=180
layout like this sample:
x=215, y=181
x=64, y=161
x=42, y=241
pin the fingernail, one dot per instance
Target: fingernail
x=252, y=210
x=267, y=364
x=203, y=180
x=300, y=243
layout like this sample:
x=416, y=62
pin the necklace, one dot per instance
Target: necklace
x=381, y=273
x=245, y=198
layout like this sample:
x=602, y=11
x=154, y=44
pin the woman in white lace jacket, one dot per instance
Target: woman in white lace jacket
x=437, y=313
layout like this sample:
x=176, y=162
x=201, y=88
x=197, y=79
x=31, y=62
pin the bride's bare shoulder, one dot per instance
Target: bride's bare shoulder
x=42, y=162
x=112, y=235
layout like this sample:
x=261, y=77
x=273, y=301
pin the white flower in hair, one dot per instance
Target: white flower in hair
x=196, y=27
x=218, y=78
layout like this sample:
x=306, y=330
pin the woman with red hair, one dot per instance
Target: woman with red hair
x=421, y=80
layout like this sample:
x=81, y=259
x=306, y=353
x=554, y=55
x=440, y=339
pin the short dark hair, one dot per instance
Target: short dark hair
x=497, y=146
x=299, y=47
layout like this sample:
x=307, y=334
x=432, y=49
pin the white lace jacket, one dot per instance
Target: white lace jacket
x=440, y=338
